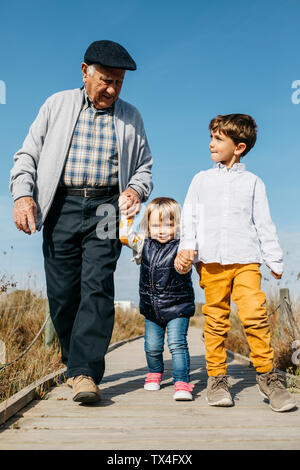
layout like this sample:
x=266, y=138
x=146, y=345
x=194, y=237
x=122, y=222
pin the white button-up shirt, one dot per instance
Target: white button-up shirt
x=226, y=218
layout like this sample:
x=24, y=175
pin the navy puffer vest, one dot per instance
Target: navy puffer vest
x=164, y=293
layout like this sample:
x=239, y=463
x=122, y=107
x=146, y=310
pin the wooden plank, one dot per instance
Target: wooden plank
x=20, y=399
x=150, y=438
x=13, y=404
x=166, y=419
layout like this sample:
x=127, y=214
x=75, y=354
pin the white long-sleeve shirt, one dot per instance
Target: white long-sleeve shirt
x=226, y=218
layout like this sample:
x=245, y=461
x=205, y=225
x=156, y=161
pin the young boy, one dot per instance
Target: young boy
x=237, y=235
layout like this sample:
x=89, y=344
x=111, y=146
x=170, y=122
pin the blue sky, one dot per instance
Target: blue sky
x=195, y=60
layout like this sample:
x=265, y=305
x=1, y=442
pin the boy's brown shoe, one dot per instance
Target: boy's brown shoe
x=272, y=386
x=85, y=390
x=218, y=391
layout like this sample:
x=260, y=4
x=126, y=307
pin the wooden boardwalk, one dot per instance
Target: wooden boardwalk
x=131, y=418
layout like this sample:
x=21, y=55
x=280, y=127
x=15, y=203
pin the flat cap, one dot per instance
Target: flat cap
x=109, y=54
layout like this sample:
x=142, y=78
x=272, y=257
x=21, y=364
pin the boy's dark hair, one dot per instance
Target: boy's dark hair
x=239, y=127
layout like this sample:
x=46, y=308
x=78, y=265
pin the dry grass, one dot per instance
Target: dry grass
x=198, y=319
x=127, y=325
x=22, y=313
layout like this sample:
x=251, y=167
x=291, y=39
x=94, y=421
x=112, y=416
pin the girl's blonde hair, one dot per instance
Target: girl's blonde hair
x=166, y=207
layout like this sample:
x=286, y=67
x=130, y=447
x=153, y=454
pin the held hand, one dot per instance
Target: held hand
x=187, y=256
x=129, y=203
x=178, y=266
x=183, y=260
x=25, y=214
x=277, y=276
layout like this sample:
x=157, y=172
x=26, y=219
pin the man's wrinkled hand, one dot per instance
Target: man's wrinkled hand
x=25, y=214
x=129, y=203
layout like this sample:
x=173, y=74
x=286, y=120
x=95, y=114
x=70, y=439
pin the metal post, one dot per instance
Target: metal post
x=49, y=329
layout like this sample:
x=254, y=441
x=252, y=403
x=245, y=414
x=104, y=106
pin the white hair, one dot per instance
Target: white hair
x=91, y=70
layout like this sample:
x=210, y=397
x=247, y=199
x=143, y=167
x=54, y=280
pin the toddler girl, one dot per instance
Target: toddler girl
x=166, y=296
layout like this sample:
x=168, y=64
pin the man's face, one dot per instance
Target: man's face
x=104, y=86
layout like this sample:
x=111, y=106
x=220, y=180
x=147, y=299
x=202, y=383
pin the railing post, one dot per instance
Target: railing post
x=49, y=328
x=286, y=315
x=2, y=352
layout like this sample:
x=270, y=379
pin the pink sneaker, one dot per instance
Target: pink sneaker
x=152, y=381
x=183, y=391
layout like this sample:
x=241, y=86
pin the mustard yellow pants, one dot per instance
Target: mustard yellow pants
x=243, y=283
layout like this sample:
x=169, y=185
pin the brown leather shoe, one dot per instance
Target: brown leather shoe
x=70, y=382
x=85, y=390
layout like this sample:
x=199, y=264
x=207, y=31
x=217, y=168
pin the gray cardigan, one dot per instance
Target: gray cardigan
x=39, y=163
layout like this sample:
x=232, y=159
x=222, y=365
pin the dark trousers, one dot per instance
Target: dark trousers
x=79, y=267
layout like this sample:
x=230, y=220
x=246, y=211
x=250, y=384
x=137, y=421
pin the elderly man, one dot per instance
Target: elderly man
x=86, y=157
